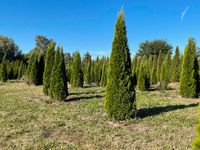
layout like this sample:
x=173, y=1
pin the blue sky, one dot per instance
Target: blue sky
x=88, y=25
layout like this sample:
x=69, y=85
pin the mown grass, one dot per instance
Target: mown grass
x=30, y=120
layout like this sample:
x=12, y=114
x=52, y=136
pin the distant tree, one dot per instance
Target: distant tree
x=4, y=69
x=40, y=69
x=20, y=71
x=144, y=76
x=154, y=70
x=165, y=71
x=92, y=71
x=58, y=84
x=97, y=71
x=42, y=43
x=8, y=47
x=104, y=75
x=148, y=48
x=159, y=65
x=120, y=93
x=176, y=66
x=87, y=62
x=189, y=82
x=34, y=75
x=28, y=71
x=48, y=68
x=77, y=73
x=134, y=70
x=68, y=61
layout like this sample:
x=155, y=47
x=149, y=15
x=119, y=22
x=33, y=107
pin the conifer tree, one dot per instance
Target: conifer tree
x=104, y=76
x=134, y=72
x=143, y=77
x=34, y=78
x=154, y=70
x=48, y=67
x=120, y=93
x=20, y=71
x=77, y=73
x=189, y=82
x=159, y=65
x=58, y=84
x=87, y=62
x=165, y=71
x=28, y=71
x=4, y=69
x=92, y=72
x=97, y=71
x=196, y=142
x=176, y=66
x=40, y=69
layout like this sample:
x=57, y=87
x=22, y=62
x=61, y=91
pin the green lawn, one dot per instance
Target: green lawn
x=30, y=120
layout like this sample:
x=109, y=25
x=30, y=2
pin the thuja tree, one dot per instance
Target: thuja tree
x=120, y=93
x=196, y=142
x=134, y=72
x=104, y=75
x=97, y=71
x=143, y=77
x=4, y=69
x=159, y=65
x=28, y=70
x=154, y=70
x=77, y=73
x=34, y=76
x=165, y=71
x=87, y=64
x=48, y=67
x=176, y=66
x=58, y=83
x=189, y=82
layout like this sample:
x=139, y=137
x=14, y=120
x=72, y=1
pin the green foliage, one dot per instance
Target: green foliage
x=154, y=70
x=8, y=47
x=77, y=73
x=58, y=83
x=34, y=76
x=149, y=48
x=68, y=64
x=159, y=65
x=20, y=71
x=104, y=76
x=87, y=64
x=144, y=76
x=189, y=82
x=40, y=69
x=48, y=68
x=97, y=71
x=28, y=70
x=134, y=70
x=4, y=69
x=165, y=71
x=120, y=93
x=176, y=66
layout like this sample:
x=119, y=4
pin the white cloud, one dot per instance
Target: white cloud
x=184, y=12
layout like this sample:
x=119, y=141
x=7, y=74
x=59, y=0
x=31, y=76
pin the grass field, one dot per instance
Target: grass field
x=30, y=120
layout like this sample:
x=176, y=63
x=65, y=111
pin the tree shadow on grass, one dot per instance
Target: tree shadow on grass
x=146, y=112
x=89, y=92
x=73, y=99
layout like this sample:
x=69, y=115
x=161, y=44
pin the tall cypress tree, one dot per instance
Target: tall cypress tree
x=120, y=93
x=159, y=65
x=176, y=66
x=58, y=84
x=104, y=76
x=20, y=71
x=28, y=71
x=134, y=70
x=40, y=69
x=154, y=70
x=48, y=67
x=77, y=73
x=87, y=66
x=189, y=82
x=34, y=76
x=4, y=69
x=143, y=77
x=165, y=71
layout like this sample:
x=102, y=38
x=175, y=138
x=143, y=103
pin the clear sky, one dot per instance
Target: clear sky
x=88, y=25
